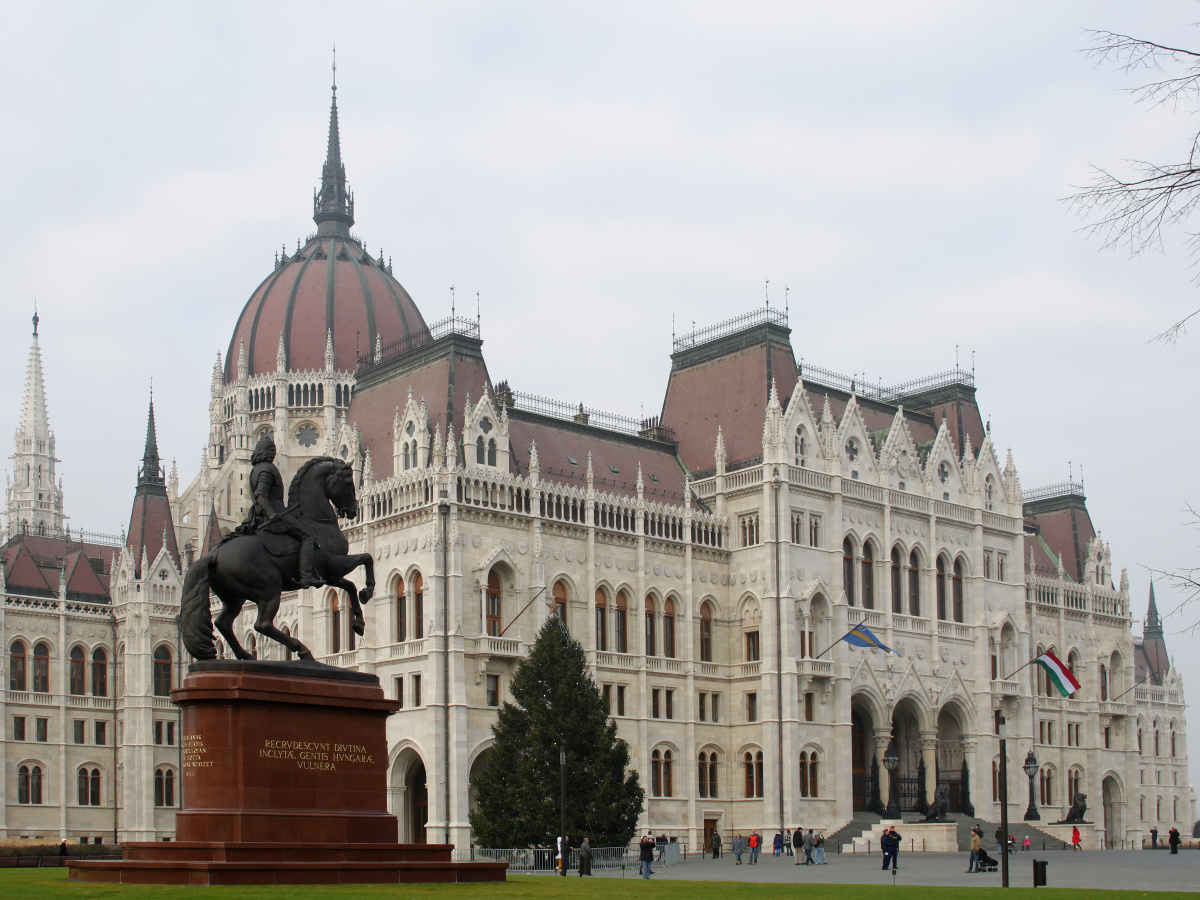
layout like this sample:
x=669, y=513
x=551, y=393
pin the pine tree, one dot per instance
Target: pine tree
x=558, y=706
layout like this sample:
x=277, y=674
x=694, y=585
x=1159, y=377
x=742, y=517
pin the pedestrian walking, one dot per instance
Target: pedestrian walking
x=714, y=843
x=1076, y=839
x=787, y=842
x=777, y=843
x=755, y=841
x=999, y=840
x=646, y=853
x=1173, y=840
x=1154, y=838
x=808, y=848
x=1026, y=844
x=662, y=846
x=819, y=849
x=585, y=858
x=976, y=845
x=739, y=847
x=890, y=843
x=798, y=844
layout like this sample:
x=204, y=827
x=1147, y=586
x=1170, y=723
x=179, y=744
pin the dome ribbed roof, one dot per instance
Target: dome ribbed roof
x=330, y=286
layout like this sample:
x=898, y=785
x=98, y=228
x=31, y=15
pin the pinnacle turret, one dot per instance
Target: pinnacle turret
x=34, y=501
x=151, y=471
x=1153, y=626
x=333, y=205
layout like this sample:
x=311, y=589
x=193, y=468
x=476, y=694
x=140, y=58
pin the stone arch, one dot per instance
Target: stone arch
x=868, y=718
x=477, y=759
x=408, y=789
x=1112, y=797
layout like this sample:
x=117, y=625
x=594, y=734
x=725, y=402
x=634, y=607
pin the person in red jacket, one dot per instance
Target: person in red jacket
x=755, y=841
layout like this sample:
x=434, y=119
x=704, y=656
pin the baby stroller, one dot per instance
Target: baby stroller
x=986, y=863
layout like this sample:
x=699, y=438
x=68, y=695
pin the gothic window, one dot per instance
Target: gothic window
x=1046, y=786
x=958, y=590
x=492, y=595
x=656, y=774
x=41, y=668
x=814, y=531
x=989, y=493
x=897, y=582
x=601, y=620
x=752, y=646
x=29, y=784
x=401, y=604
x=668, y=635
x=88, y=786
x=491, y=452
x=335, y=623
x=287, y=651
x=1074, y=782
x=99, y=673
x=306, y=436
x=702, y=776
x=852, y=449
x=868, y=576
x=808, y=774
x=801, y=447
x=162, y=672
x=78, y=672
x=752, y=763
x=560, y=600
x=480, y=453
x=651, y=643
x=418, y=623
x=914, y=584
x=848, y=570
x=1156, y=744
x=1172, y=742
x=620, y=629
x=705, y=633
x=943, y=471
x=941, y=588
x=1103, y=682
x=164, y=787
x=405, y=456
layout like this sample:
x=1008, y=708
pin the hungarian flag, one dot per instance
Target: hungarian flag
x=1057, y=671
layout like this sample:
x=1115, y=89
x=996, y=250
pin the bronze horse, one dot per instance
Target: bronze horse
x=243, y=569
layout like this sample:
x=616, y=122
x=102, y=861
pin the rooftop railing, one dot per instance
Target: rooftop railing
x=894, y=394
x=762, y=316
x=650, y=427
x=436, y=331
x=1062, y=489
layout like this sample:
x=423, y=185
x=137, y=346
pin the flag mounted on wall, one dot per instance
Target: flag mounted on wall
x=860, y=636
x=1058, y=673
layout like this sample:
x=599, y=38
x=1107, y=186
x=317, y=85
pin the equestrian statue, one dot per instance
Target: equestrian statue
x=277, y=548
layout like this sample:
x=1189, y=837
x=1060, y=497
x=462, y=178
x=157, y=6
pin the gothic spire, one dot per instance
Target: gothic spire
x=151, y=471
x=35, y=423
x=1153, y=625
x=333, y=205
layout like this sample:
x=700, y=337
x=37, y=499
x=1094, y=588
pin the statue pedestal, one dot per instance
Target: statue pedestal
x=1089, y=833
x=284, y=782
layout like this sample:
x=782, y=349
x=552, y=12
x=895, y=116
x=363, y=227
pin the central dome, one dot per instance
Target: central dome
x=331, y=286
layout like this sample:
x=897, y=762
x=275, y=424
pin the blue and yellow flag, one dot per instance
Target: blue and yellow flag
x=860, y=636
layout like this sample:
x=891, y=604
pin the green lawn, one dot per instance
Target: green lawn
x=52, y=884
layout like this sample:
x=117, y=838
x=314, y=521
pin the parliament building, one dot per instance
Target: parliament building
x=707, y=558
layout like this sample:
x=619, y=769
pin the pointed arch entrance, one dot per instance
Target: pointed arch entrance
x=1114, y=803
x=864, y=763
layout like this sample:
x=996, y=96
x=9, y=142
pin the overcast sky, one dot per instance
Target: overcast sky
x=592, y=172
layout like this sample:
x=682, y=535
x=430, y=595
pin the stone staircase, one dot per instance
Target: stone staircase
x=1040, y=839
x=862, y=821
x=861, y=834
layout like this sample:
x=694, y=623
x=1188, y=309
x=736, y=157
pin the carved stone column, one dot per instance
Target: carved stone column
x=885, y=781
x=929, y=757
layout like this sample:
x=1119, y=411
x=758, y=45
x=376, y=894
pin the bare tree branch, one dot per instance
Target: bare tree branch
x=1184, y=581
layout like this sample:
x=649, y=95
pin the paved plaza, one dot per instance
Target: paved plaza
x=1140, y=870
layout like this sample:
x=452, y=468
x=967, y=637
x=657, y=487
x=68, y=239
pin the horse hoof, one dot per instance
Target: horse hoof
x=358, y=625
x=304, y=654
x=364, y=595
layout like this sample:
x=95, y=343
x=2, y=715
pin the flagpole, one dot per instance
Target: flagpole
x=1026, y=666
x=1139, y=684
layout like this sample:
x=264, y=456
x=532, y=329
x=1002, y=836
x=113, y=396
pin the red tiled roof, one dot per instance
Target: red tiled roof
x=558, y=444
x=21, y=571
x=1067, y=531
x=730, y=392
x=295, y=300
x=1151, y=659
x=212, y=534
x=149, y=521
x=82, y=578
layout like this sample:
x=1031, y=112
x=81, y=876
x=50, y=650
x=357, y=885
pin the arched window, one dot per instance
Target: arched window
x=758, y=774
x=989, y=493
x=941, y=588
x=808, y=774
x=1158, y=809
x=668, y=636
x=748, y=765
x=418, y=608
x=868, y=576
x=1172, y=742
x=41, y=668
x=560, y=600
x=848, y=570
x=88, y=786
x=99, y=673
x=1046, y=786
x=401, y=606
x=706, y=775
x=164, y=787
x=1156, y=744
x=1142, y=809
x=668, y=775
x=958, y=590
x=1139, y=739
x=620, y=626
x=1103, y=683
x=601, y=619
x=287, y=651
x=492, y=602
x=16, y=666
x=335, y=623
x=29, y=784
x=491, y=453
x=162, y=672
x=914, y=584
x=656, y=774
x=1074, y=782
x=405, y=456
x=651, y=643
x=78, y=672
x=705, y=633
x=480, y=453
x=801, y=447
x=897, y=581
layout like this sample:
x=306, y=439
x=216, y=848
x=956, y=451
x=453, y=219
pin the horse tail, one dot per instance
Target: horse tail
x=195, y=617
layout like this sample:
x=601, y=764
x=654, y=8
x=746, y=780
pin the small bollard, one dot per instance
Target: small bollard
x=1039, y=873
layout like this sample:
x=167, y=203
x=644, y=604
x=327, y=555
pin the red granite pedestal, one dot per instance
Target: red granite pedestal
x=284, y=782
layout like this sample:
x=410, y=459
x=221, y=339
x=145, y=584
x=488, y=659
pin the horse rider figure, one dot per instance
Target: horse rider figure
x=268, y=512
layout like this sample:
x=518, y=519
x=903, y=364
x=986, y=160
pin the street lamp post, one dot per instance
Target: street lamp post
x=1003, y=842
x=891, y=762
x=1031, y=769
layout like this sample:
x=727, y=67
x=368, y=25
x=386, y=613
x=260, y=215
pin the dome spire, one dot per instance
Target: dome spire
x=333, y=205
